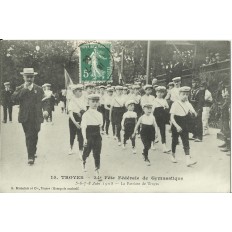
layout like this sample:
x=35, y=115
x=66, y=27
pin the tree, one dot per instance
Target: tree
x=48, y=58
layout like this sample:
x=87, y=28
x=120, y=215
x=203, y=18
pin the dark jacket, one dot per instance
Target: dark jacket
x=6, y=97
x=30, y=104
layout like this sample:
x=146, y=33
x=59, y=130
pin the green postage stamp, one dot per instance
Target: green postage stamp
x=96, y=62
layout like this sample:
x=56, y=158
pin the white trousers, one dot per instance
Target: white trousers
x=205, y=120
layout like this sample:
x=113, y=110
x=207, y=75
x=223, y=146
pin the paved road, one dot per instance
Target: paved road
x=211, y=174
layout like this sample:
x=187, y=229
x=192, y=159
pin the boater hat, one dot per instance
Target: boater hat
x=28, y=71
x=147, y=86
x=94, y=97
x=77, y=86
x=7, y=83
x=176, y=79
x=129, y=102
x=184, y=89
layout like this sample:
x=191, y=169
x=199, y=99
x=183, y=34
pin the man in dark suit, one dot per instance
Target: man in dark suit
x=7, y=102
x=29, y=96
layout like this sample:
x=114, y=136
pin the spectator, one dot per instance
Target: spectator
x=206, y=108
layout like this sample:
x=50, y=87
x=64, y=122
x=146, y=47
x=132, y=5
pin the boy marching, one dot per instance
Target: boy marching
x=148, y=128
x=180, y=118
x=91, y=124
x=129, y=121
x=161, y=113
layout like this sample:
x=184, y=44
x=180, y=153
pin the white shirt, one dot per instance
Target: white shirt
x=208, y=96
x=102, y=99
x=180, y=108
x=130, y=114
x=47, y=93
x=30, y=87
x=136, y=98
x=77, y=104
x=147, y=99
x=175, y=94
x=125, y=96
x=108, y=100
x=118, y=101
x=92, y=117
x=147, y=120
x=160, y=102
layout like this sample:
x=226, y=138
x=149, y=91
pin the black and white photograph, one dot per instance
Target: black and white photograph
x=115, y=116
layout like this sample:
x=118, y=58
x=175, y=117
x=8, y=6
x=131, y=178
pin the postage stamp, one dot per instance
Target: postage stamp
x=96, y=62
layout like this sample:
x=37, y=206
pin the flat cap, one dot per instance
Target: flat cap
x=119, y=87
x=148, y=86
x=171, y=83
x=110, y=89
x=147, y=105
x=89, y=85
x=184, y=89
x=176, y=79
x=102, y=87
x=135, y=87
x=161, y=88
x=94, y=97
x=77, y=86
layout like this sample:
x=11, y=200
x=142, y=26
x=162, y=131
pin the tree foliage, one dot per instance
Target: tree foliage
x=48, y=58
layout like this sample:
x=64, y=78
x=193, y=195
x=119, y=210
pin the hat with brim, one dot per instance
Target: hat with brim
x=184, y=89
x=110, y=90
x=93, y=97
x=7, y=83
x=89, y=85
x=147, y=87
x=102, y=87
x=160, y=89
x=148, y=105
x=176, y=79
x=119, y=87
x=129, y=103
x=135, y=87
x=28, y=71
x=171, y=83
x=125, y=88
x=77, y=86
x=46, y=84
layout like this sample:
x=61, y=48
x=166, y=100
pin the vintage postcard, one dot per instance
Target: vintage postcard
x=115, y=116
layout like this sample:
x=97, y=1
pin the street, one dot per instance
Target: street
x=54, y=169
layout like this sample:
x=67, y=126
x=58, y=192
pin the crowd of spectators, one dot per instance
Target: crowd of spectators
x=213, y=58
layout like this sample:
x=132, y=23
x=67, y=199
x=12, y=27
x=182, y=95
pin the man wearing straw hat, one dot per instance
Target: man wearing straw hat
x=29, y=96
